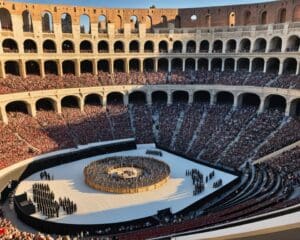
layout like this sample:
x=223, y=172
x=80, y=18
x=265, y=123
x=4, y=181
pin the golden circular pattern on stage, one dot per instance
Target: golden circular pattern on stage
x=126, y=174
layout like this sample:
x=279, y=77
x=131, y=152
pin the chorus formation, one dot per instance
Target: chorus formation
x=151, y=174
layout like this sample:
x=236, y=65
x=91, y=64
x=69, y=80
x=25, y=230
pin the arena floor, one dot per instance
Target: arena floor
x=99, y=207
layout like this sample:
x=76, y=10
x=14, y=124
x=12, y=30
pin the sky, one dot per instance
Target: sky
x=145, y=3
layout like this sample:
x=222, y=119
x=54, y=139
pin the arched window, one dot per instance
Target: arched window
x=85, y=24
x=164, y=21
x=47, y=22
x=296, y=14
x=247, y=17
x=177, y=22
x=119, y=24
x=263, y=17
x=10, y=46
x=148, y=23
x=134, y=23
x=102, y=24
x=30, y=46
x=282, y=15
x=232, y=19
x=67, y=47
x=5, y=20
x=66, y=23
x=49, y=46
x=27, y=21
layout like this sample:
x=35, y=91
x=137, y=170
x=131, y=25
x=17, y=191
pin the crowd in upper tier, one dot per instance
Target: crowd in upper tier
x=14, y=83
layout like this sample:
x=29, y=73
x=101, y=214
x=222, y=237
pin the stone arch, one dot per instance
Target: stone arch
x=103, y=46
x=274, y=101
x=295, y=107
x=119, y=46
x=134, y=46
x=225, y=98
x=229, y=64
x=258, y=65
x=66, y=23
x=293, y=44
x=67, y=46
x=296, y=14
x=148, y=65
x=114, y=98
x=177, y=22
x=50, y=67
x=204, y=46
x=203, y=64
x=245, y=45
x=148, y=23
x=47, y=22
x=103, y=65
x=163, y=46
x=201, y=96
x=176, y=64
x=177, y=47
x=68, y=67
x=159, y=97
x=243, y=64
x=5, y=20
x=119, y=65
x=281, y=15
x=137, y=97
x=263, y=18
x=163, y=65
x=180, y=96
x=119, y=23
x=149, y=46
x=191, y=46
x=190, y=64
x=275, y=44
x=217, y=46
x=93, y=99
x=10, y=46
x=27, y=21
x=134, y=65
x=49, y=46
x=216, y=64
x=289, y=66
x=17, y=106
x=70, y=101
x=86, y=47
x=30, y=46
x=102, y=24
x=86, y=66
x=164, y=21
x=85, y=24
x=45, y=104
x=249, y=99
x=32, y=68
x=231, y=45
x=231, y=20
x=12, y=67
x=247, y=17
x=273, y=65
x=134, y=23
x=260, y=45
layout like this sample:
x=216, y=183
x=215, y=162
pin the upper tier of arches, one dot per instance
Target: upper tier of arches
x=88, y=19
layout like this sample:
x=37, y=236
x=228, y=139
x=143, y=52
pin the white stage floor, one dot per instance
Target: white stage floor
x=94, y=207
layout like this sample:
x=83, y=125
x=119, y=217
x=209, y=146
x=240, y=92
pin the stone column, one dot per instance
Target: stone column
x=3, y=114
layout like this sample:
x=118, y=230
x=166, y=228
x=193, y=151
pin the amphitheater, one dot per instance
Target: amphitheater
x=212, y=90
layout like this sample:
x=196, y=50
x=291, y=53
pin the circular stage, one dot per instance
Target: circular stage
x=126, y=174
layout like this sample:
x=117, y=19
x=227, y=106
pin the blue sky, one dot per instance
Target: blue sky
x=145, y=3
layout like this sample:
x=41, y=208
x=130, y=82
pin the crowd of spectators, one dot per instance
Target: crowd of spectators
x=14, y=83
